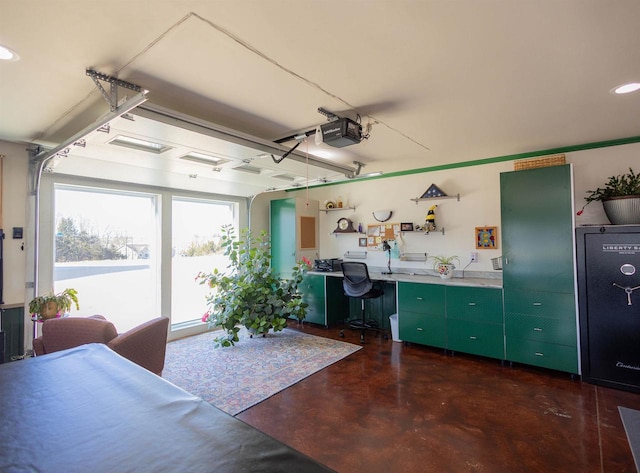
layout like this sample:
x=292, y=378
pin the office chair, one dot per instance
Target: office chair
x=358, y=284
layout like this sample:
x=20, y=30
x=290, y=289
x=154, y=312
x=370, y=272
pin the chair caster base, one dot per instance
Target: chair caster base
x=341, y=333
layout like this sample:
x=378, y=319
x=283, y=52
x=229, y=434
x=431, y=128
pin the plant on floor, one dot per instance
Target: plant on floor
x=250, y=293
x=53, y=305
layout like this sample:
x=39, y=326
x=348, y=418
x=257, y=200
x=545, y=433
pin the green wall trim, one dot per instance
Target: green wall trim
x=497, y=159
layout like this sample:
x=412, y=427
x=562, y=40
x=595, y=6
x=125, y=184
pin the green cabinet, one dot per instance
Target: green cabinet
x=327, y=302
x=13, y=327
x=475, y=321
x=313, y=293
x=421, y=314
x=457, y=318
x=538, y=269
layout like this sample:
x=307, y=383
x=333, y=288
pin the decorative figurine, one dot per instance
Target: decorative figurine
x=430, y=219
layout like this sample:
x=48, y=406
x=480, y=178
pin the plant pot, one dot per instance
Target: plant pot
x=623, y=210
x=445, y=270
x=50, y=311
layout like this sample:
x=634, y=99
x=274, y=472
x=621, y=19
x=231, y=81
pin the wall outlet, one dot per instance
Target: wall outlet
x=474, y=256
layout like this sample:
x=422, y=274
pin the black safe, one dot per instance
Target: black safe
x=609, y=305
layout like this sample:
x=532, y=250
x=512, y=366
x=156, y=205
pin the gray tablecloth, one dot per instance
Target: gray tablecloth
x=89, y=410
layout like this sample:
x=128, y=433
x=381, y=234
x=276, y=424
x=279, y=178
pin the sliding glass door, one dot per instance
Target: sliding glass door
x=132, y=254
x=106, y=246
x=196, y=230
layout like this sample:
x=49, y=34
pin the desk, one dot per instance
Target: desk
x=380, y=309
x=87, y=409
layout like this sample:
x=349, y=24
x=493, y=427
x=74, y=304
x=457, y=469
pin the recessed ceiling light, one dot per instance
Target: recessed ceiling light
x=626, y=88
x=7, y=54
x=202, y=158
x=139, y=144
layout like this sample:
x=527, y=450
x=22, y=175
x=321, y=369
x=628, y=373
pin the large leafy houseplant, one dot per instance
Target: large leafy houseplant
x=53, y=305
x=249, y=293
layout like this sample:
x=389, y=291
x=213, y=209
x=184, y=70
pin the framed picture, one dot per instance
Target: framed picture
x=406, y=227
x=486, y=238
x=362, y=242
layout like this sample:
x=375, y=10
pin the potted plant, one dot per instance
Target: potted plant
x=444, y=265
x=620, y=198
x=250, y=293
x=53, y=305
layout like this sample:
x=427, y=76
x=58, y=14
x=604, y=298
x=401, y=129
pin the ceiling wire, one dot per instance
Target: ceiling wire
x=309, y=82
x=245, y=45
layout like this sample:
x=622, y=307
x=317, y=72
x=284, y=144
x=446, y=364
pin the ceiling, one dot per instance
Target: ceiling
x=434, y=82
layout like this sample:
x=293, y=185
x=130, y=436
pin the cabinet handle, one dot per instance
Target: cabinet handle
x=419, y=329
x=473, y=338
x=537, y=329
x=472, y=303
x=419, y=298
x=539, y=354
x=537, y=303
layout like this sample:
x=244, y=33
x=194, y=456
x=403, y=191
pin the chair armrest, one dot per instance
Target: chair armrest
x=145, y=344
x=68, y=332
x=38, y=346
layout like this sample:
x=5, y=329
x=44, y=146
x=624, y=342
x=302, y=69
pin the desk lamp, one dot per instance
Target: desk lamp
x=387, y=247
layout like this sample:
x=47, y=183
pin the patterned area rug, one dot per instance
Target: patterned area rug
x=236, y=378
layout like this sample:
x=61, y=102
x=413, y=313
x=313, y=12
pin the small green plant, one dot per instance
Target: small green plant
x=53, y=305
x=250, y=293
x=438, y=260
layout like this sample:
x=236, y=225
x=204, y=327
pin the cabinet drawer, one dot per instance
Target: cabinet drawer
x=545, y=355
x=423, y=329
x=474, y=304
x=313, y=293
x=421, y=298
x=542, y=329
x=545, y=304
x=475, y=337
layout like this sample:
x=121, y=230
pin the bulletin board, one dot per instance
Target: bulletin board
x=376, y=234
x=308, y=233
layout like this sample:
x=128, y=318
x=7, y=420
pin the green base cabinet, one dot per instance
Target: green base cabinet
x=475, y=321
x=313, y=293
x=327, y=303
x=421, y=314
x=538, y=269
x=13, y=327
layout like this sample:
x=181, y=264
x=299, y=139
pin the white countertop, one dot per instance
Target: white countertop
x=427, y=279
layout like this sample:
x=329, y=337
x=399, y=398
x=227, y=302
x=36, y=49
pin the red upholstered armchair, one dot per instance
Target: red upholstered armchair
x=145, y=344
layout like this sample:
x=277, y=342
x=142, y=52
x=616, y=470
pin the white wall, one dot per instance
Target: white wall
x=14, y=187
x=479, y=189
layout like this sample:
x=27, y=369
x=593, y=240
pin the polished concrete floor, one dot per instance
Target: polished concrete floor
x=392, y=407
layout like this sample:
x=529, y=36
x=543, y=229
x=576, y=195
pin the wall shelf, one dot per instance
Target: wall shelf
x=347, y=233
x=356, y=254
x=422, y=199
x=422, y=232
x=336, y=209
x=413, y=257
